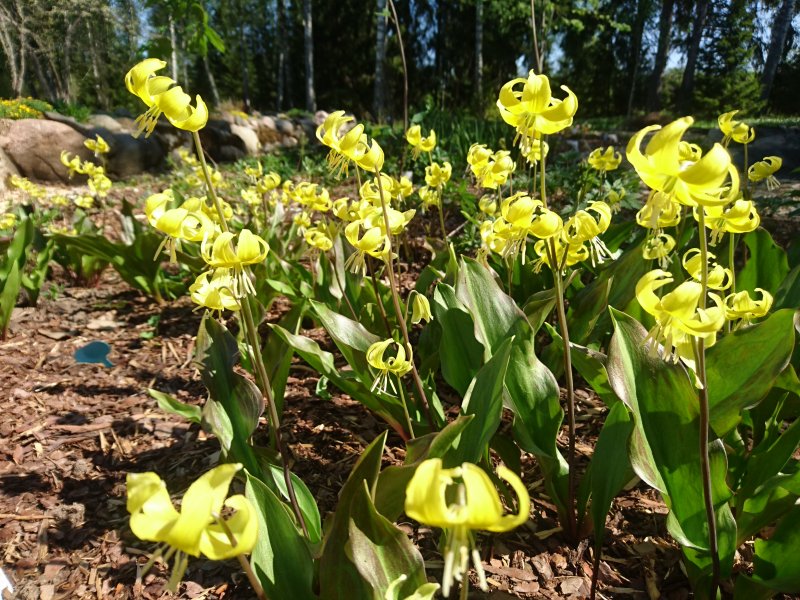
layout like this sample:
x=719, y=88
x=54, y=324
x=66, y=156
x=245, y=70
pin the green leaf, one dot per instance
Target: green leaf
x=665, y=442
x=281, y=558
x=351, y=337
x=494, y=312
x=170, y=404
x=610, y=468
x=775, y=562
x=381, y=552
x=338, y=577
x=305, y=499
x=743, y=366
x=788, y=294
x=483, y=400
x=774, y=498
x=767, y=266
x=277, y=353
x=586, y=308
x=460, y=354
x=238, y=397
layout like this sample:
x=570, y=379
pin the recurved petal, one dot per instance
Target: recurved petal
x=243, y=525
x=646, y=286
x=509, y=522
x=425, y=494
x=150, y=506
x=483, y=507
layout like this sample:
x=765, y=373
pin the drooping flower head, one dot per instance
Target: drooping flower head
x=199, y=526
x=533, y=110
x=352, y=145
x=604, y=160
x=461, y=500
x=679, y=170
x=738, y=131
x=419, y=143
x=766, y=169
x=396, y=365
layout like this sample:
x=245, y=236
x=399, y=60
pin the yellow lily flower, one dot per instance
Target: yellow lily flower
x=421, y=309
x=215, y=290
x=397, y=365
x=679, y=320
x=566, y=255
x=658, y=248
x=766, y=169
x=74, y=164
x=373, y=242
x=85, y=202
x=532, y=110
x=8, y=221
x=739, y=217
x=583, y=227
x=437, y=175
x=534, y=150
x=99, y=184
x=669, y=166
x=268, y=182
x=718, y=277
x=249, y=249
x=604, y=160
x=198, y=527
x=418, y=142
x=738, y=131
x=478, y=157
x=488, y=204
x=98, y=145
x=430, y=196
x=317, y=237
x=659, y=211
x=742, y=306
x=497, y=171
x=460, y=500
x=352, y=146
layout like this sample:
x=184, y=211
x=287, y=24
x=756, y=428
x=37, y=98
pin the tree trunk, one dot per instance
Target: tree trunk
x=780, y=29
x=687, y=83
x=662, y=52
x=212, y=83
x=308, y=47
x=379, y=96
x=98, y=85
x=637, y=31
x=173, y=42
x=281, y=45
x=479, y=54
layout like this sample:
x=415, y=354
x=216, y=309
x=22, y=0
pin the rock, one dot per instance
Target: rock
x=249, y=139
x=7, y=169
x=320, y=116
x=220, y=143
x=285, y=126
x=267, y=131
x=289, y=142
x=131, y=156
x=268, y=122
x=34, y=146
x=108, y=123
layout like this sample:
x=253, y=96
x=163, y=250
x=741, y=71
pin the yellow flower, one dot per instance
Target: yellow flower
x=198, y=527
x=249, y=249
x=163, y=95
x=742, y=306
x=85, y=202
x=430, y=196
x=534, y=150
x=496, y=171
x=437, y=175
x=533, y=110
x=215, y=290
x=352, y=146
x=671, y=167
x=659, y=211
x=679, y=319
x=419, y=143
x=583, y=227
x=488, y=205
x=421, y=309
x=317, y=237
x=461, y=500
x=8, y=220
x=99, y=184
x=269, y=182
x=373, y=242
x=478, y=157
x=396, y=365
x=717, y=277
x=658, y=248
x=604, y=160
x=74, y=164
x=739, y=217
x=738, y=131
x=98, y=145
x=766, y=169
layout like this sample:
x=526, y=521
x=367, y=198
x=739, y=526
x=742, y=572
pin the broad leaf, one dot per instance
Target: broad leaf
x=338, y=577
x=767, y=266
x=170, y=404
x=281, y=558
x=742, y=367
x=775, y=562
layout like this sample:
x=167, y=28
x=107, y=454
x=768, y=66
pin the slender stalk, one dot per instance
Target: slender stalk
x=405, y=408
x=441, y=219
x=256, y=358
x=464, y=593
x=339, y=285
x=705, y=466
x=398, y=311
x=376, y=289
x=731, y=257
x=595, y=571
x=405, y=67
x=243, y=562
x=572, y=518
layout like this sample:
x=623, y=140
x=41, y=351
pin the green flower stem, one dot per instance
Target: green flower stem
x=398, y=311
x=256, y=357
x=705, y=466
x=464, y=593
x=441, y=218
x=572, y=524
x=339, y=285
x=376, y=289
x=243, y=562
x=405, y=408
x=731, y=257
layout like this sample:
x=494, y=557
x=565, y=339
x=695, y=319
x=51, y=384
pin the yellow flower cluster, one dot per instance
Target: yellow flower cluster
x=20, y=108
